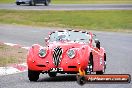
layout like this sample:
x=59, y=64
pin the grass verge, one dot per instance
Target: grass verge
x=81, y=1
x=7, y=1
x=91, y=1
x=120, y=20
x=11, y=55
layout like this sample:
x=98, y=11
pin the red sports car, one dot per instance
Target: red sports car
x=66, y=51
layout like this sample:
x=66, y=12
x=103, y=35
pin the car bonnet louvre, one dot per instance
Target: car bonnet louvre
x=57, y=55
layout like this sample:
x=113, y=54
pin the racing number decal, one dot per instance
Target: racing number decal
x=54, y=69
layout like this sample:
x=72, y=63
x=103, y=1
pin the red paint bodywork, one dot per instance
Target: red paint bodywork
x=81, y=58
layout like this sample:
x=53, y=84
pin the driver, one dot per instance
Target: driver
x=62, y=36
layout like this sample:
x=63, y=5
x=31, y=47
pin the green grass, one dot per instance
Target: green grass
x=81, y=1
x=91, y=1
x=120, y=20
x=7, y=1
x=11, y=55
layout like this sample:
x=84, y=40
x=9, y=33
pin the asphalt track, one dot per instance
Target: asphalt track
x=117, y=45
x=69, y=7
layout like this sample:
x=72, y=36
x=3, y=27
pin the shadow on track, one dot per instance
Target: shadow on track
x=61, y=78
x=32, y=5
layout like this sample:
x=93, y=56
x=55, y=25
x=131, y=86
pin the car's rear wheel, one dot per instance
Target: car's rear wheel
x=99, y=72
x=104, y=61
x=52, y=74
x=46, y=2
x=18, y=3
x=33, y=75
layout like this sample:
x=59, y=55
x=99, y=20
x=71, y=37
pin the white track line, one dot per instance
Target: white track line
x=8, y=70
x=10, y=44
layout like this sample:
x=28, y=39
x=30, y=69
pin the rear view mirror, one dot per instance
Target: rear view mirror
x=97, y=43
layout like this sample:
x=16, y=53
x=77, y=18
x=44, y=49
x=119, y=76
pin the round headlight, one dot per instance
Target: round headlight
x=42, y=52
x=71, y=53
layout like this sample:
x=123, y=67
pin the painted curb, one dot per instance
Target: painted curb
x=14, y=68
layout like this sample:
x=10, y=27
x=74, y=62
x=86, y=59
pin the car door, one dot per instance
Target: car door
x=97, y=59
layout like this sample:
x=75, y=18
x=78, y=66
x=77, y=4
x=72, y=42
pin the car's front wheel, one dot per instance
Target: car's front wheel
x=81, y=80
x=46, y=2
x=32, y=2
x=33, y=75
x=52, y=74
x=89, y=68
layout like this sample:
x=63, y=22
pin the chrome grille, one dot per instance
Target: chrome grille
x=57, y=55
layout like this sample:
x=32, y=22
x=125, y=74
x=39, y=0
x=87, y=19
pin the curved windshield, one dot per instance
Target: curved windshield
x=69, y=36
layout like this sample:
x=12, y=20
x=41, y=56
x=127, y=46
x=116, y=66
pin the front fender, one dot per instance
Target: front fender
x=32, y=54
x=84, y=53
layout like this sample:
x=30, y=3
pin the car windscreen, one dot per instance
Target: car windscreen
x=70, y=36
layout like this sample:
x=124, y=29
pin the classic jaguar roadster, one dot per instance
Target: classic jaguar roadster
x=66, y=51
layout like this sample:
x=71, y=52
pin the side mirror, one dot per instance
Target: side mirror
x=97, y=43
x=46, y=40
